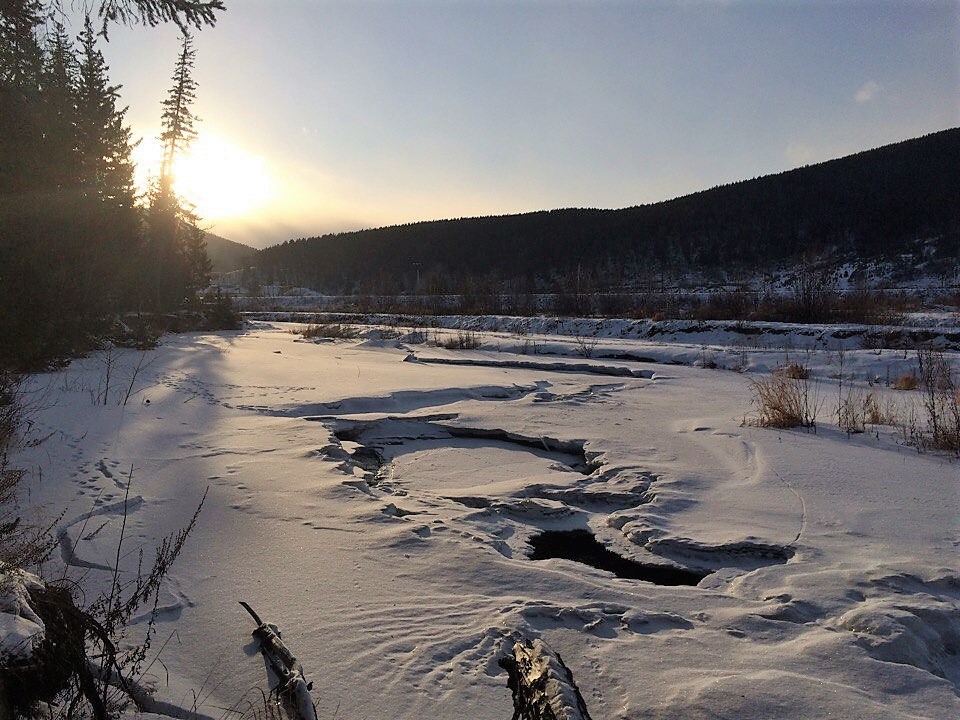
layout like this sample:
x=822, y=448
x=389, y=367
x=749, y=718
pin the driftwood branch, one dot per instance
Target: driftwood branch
x=292, y=688
x=542, y=686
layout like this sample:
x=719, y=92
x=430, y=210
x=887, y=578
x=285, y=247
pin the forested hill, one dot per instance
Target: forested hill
x=226, y=255
x=875, y=203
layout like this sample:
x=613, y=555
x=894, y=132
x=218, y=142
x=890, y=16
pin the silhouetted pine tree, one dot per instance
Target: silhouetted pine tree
x=21, y=129
x=106, y=172
x=71, y=279
x=36, y=243
x=178, y=120
x=104, y=143
x=179, y=258
x=59, y=95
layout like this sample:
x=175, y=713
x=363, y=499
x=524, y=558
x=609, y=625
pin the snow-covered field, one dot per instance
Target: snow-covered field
x=380, y=501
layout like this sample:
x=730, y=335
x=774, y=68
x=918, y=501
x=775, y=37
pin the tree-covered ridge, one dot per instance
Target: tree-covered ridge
x=873, y=204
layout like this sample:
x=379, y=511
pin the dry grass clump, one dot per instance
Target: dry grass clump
x=257, y=705
x=929, y=420
x=858, y=408
x=852, y=411
x=333, y=331
x=879, y=411
x=783, y=402
x=463, y=340
x=906, y=382
x=794, y=371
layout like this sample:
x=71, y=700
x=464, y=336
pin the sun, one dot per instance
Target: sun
x=220, y=179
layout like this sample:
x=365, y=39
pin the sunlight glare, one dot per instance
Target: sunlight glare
x=220, y=179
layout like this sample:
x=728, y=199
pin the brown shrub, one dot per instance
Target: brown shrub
x=794, y=371
x=906, y=382
x=783, y=402
x=880, y=412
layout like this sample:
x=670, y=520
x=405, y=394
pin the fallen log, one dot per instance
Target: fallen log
x=291, y=688
x=542, y=686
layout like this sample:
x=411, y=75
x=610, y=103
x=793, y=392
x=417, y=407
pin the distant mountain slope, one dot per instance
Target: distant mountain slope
x=227, y=255
x=877, y=203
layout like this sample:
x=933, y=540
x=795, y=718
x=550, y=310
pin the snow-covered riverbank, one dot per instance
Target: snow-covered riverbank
x=383, y=511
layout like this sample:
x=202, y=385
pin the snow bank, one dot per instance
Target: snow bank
x=944, y=334
x=382, y=512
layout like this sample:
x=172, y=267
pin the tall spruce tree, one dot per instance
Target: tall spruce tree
x=176, y=246
x=104, y=141
x=21, y=126
x=42, y=233
x=21, y=141
x=177, y=119
x=106, y=174
x=59, y=94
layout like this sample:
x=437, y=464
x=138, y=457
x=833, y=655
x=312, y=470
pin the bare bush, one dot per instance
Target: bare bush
x=586, y=346
x=333, y=331
x=742, y=362
x=85, y=663
x=706, y=359
x=107, y=666
x=737, y=304
x=941, y=403
x=11, y=415
x=463, y=340
x=813, y=296
x=528, y=346
x=783, y=402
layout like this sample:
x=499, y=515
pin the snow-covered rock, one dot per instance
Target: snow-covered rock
x=21, y=630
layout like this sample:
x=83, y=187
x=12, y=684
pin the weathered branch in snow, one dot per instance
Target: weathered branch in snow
x=292, y=687
x=542, y=686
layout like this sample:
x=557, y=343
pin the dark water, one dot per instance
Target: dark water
x=582, y=547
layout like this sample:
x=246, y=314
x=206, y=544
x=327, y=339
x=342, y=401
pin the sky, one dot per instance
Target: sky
x=322, y=116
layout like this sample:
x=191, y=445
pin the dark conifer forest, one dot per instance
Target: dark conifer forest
x=79, y=251
x=875, y=204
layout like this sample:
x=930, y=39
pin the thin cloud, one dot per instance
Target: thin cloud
x=868, y=92
x=799, y=154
